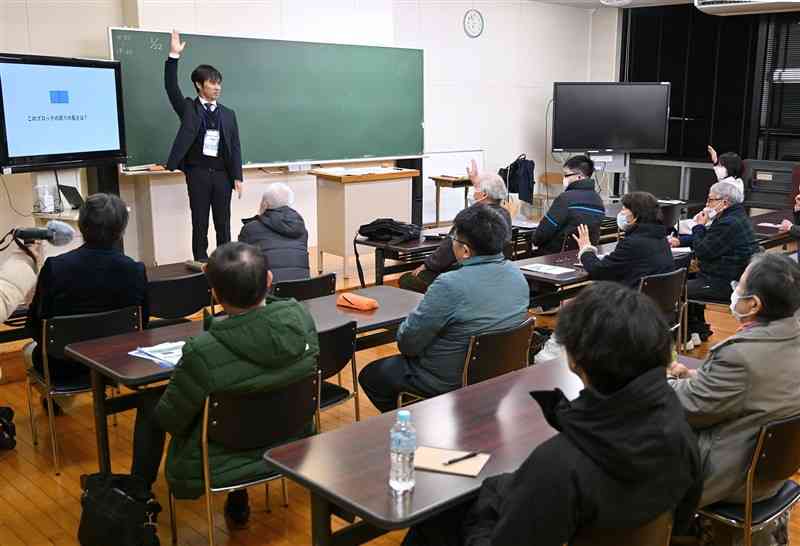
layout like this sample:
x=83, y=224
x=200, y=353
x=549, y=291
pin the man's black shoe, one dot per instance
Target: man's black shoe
x=237, y=509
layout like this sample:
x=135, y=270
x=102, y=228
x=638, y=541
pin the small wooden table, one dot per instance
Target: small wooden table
x=445, y=181
x=108, y=358
x=348, y=468
x=347, y=201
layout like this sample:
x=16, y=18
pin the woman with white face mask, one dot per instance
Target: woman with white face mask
x=747, y=380
x=728, y=167
x=643, y=251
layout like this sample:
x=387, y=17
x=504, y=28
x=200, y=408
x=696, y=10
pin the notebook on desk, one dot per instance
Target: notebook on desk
x=546, y=269
x=433, y=459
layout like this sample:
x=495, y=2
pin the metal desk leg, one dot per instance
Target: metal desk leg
x=320, y=521
x=437, y=204
x=380, y=264
x=100, y=422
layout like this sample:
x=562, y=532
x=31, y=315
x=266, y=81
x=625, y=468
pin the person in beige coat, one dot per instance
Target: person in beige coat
x=17, y=278
x=748, y=380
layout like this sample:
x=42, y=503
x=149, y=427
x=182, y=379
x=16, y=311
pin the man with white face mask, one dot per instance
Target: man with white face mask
x=722, y=249
x=748, y=380
x=728, y=167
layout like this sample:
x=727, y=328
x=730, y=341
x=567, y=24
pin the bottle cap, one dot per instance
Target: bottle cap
x=404, y=416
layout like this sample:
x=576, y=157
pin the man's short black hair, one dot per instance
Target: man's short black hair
x=614, y=334
x=775, y=279
x=204, y=73
x=102, y=219
x=581, y=163
x=238, y=274
x=482, y=229
x=733, y=163
x=644, y=207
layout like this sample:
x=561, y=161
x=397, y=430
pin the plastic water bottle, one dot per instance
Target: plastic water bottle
x=402, y=444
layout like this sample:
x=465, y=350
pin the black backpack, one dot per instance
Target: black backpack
x=519, y=178
x=118, y=510
x=388, y=230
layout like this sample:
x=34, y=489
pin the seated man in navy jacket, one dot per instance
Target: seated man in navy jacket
x=93, y=278
x=578, y=204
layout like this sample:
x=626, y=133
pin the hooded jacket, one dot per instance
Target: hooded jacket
x=260, y=350
x=633, y=447
x=643, y=251
x=578, y=204
x=282, y=237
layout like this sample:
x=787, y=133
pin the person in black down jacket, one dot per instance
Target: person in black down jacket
x=643, y=251
x=94, y=278
x=578, y=204
x=624, y=452
x=280, y=232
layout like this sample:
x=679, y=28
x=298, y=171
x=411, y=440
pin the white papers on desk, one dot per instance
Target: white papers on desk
x=524, y=223
x=357, y=171
x=547, y=269
x=685, y=226
x=769, y=225
x=680, y=250
x=165, y=355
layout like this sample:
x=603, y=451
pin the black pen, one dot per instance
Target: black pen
x=462, y=458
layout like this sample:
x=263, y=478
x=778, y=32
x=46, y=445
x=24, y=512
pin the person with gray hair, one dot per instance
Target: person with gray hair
x=722, y=248
x=489, y=190
x=280, y=233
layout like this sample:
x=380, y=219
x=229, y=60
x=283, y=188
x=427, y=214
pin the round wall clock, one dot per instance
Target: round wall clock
x=473, y=23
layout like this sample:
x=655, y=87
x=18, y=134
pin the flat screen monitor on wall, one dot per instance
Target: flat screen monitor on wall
x=613, y=117
x=59, y=112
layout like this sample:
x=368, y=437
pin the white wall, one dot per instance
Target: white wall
x=488, y=93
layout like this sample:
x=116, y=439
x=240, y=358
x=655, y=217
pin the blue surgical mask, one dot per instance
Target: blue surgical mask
x=622, y=221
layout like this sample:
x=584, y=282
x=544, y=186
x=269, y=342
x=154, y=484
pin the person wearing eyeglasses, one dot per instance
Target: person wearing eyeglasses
x=748, y=380
x=578, y=204
x=722, y=249
x=486, y=293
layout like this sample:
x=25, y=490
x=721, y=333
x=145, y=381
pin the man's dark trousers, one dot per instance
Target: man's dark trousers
x=209, y=189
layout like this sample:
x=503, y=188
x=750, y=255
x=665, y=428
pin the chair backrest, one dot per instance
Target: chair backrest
x=239, y=421
x=777, y=453
x=656, y=532
x=58, y=332
x=667, y=290
x=496, y=353
x=306, y=289
x=336, y=348
x=178, y=297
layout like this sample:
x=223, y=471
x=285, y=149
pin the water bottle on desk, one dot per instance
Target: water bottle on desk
x=402, y=445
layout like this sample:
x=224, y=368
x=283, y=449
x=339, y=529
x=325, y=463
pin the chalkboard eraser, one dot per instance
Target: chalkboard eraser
x=156, y=168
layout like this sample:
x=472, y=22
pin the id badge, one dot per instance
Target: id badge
x=211, y=143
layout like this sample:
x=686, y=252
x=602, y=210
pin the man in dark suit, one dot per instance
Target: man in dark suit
x=206, y=148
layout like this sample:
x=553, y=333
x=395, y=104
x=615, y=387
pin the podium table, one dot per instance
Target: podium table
x=348, y=199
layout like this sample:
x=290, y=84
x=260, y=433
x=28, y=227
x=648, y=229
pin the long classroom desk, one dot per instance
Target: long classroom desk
x=108, y=358
x=346, y=470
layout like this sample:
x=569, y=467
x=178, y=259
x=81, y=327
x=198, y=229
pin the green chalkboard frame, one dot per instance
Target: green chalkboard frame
x=295, y=101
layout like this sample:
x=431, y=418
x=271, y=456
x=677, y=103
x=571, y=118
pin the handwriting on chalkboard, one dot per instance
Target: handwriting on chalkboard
x=156, y=45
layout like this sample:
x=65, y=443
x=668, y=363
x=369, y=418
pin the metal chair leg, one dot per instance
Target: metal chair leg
x=356, y=398
x=114, y=392
x=32, y=417
x=51, y=421
x=266, y=497
x=173, y=518
x=285, y=492
x=210, y=517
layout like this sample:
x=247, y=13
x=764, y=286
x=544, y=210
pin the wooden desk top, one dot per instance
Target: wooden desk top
x=110, y=356
x=562, y=259
x=349, y=466
x=169, y=271
x=451, y=181
x=356, y=178
x=771, y=237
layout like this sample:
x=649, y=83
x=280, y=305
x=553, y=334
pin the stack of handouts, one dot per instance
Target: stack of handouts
x=165, y=355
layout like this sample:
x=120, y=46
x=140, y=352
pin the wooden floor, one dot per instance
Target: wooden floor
x=39, y=508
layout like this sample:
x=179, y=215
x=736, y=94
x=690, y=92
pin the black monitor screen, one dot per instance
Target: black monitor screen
x=619, y=117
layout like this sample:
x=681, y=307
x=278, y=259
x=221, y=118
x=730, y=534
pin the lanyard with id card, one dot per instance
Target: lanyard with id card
x=211, y=143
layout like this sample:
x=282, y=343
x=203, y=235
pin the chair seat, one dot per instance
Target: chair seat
x=331, y=394
x=254, y=480
x=763, y=510
x=70, y=386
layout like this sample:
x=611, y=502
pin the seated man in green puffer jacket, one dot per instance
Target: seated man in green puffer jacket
x=262, y=345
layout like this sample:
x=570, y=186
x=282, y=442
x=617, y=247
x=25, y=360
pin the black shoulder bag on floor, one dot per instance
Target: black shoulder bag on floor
x=118, y=510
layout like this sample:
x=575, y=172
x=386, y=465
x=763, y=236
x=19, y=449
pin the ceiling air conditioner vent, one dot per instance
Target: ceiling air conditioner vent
x=745, y=7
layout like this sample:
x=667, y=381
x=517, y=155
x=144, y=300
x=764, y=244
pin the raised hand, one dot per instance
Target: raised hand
x=472, y=170
x=582, y=238
x=712, y=153
x=175, y=44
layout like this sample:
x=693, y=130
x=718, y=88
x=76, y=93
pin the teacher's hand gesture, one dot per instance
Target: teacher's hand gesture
x=175, y=45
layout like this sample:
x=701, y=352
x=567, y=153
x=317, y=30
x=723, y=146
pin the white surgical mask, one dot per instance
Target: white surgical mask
x=735, y=298
x=721, y=172
x=710, y=212
x=622, y=221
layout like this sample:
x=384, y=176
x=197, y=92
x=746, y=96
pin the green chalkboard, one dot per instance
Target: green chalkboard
x=295, y=101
